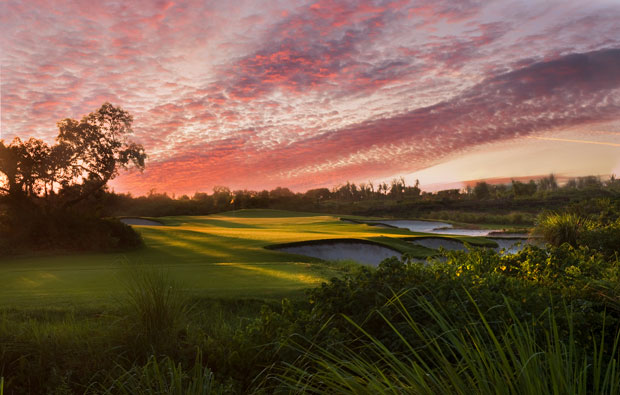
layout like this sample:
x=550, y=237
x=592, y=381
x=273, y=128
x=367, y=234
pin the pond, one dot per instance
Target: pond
x=511, y=245
x=432, y=227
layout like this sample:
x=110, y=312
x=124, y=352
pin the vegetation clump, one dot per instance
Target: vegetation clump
x=157, y=310
x=50, y=195
x=597, y=227
x=560, y=228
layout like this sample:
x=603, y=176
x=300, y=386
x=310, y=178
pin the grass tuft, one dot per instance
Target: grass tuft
x=560, y=228
x=164, y=376
x=158, y=307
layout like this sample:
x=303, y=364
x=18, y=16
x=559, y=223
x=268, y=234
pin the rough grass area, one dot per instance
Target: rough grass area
x=220, y=255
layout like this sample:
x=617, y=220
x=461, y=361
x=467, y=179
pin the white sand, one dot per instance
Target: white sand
x=369, y=254
x=140, y=221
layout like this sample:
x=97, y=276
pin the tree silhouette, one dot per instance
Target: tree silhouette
x=87, y=154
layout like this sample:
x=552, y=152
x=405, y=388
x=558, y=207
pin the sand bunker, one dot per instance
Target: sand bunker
x=366, y=253
x=140, y=221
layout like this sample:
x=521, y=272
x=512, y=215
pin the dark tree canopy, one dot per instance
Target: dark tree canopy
x=87, y=154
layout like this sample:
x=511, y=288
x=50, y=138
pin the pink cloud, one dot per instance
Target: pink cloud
x=503, y=107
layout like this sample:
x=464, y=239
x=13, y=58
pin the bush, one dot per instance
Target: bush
x=65, y=230
x=604, y=239
x=579, y=285
x=560, y=228
x=600, y=233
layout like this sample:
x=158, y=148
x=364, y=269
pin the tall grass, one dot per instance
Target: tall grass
x=41, y=350
x=158, y=307
x=164, y=376
x=480, y=358
x=560, y=228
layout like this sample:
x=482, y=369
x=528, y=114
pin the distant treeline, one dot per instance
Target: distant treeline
x=393, y=199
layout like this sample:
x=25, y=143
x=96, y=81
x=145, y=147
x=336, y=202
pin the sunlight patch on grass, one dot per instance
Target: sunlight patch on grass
x=30, y=283
x=49, y=276
x=298, y=277
x=37, y=279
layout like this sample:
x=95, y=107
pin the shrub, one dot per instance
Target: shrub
x=559, y=228
x=602, y=233
x=604, y=239
x=462, y=283
x=65, y=230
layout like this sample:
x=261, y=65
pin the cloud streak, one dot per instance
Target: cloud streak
x=578, y=141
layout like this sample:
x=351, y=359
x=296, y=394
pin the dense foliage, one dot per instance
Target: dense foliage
x=580, y=286
x=501, y=204
x=50, y=195
x=594, y=223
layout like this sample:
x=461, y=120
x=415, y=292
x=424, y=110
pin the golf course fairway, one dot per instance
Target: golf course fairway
x=221, y=255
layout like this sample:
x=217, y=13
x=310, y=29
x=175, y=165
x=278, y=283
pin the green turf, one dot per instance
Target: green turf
x=213, y=256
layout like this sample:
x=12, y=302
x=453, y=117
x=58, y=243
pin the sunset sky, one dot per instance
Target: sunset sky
x=305, y=94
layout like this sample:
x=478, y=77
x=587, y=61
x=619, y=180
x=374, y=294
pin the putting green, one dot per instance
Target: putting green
x=216, y=256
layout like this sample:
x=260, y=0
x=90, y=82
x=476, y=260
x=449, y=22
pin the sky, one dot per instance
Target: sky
x=306, y=94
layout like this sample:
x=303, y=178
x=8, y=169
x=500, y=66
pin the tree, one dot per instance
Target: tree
x=413, y=191
x=523, y=189
x=318, y=194
x=27, y=169
x=397, y=187
x=482, y=190
x=548, y=183
x=87, y=154
x=221, y=196
x=40, y=183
